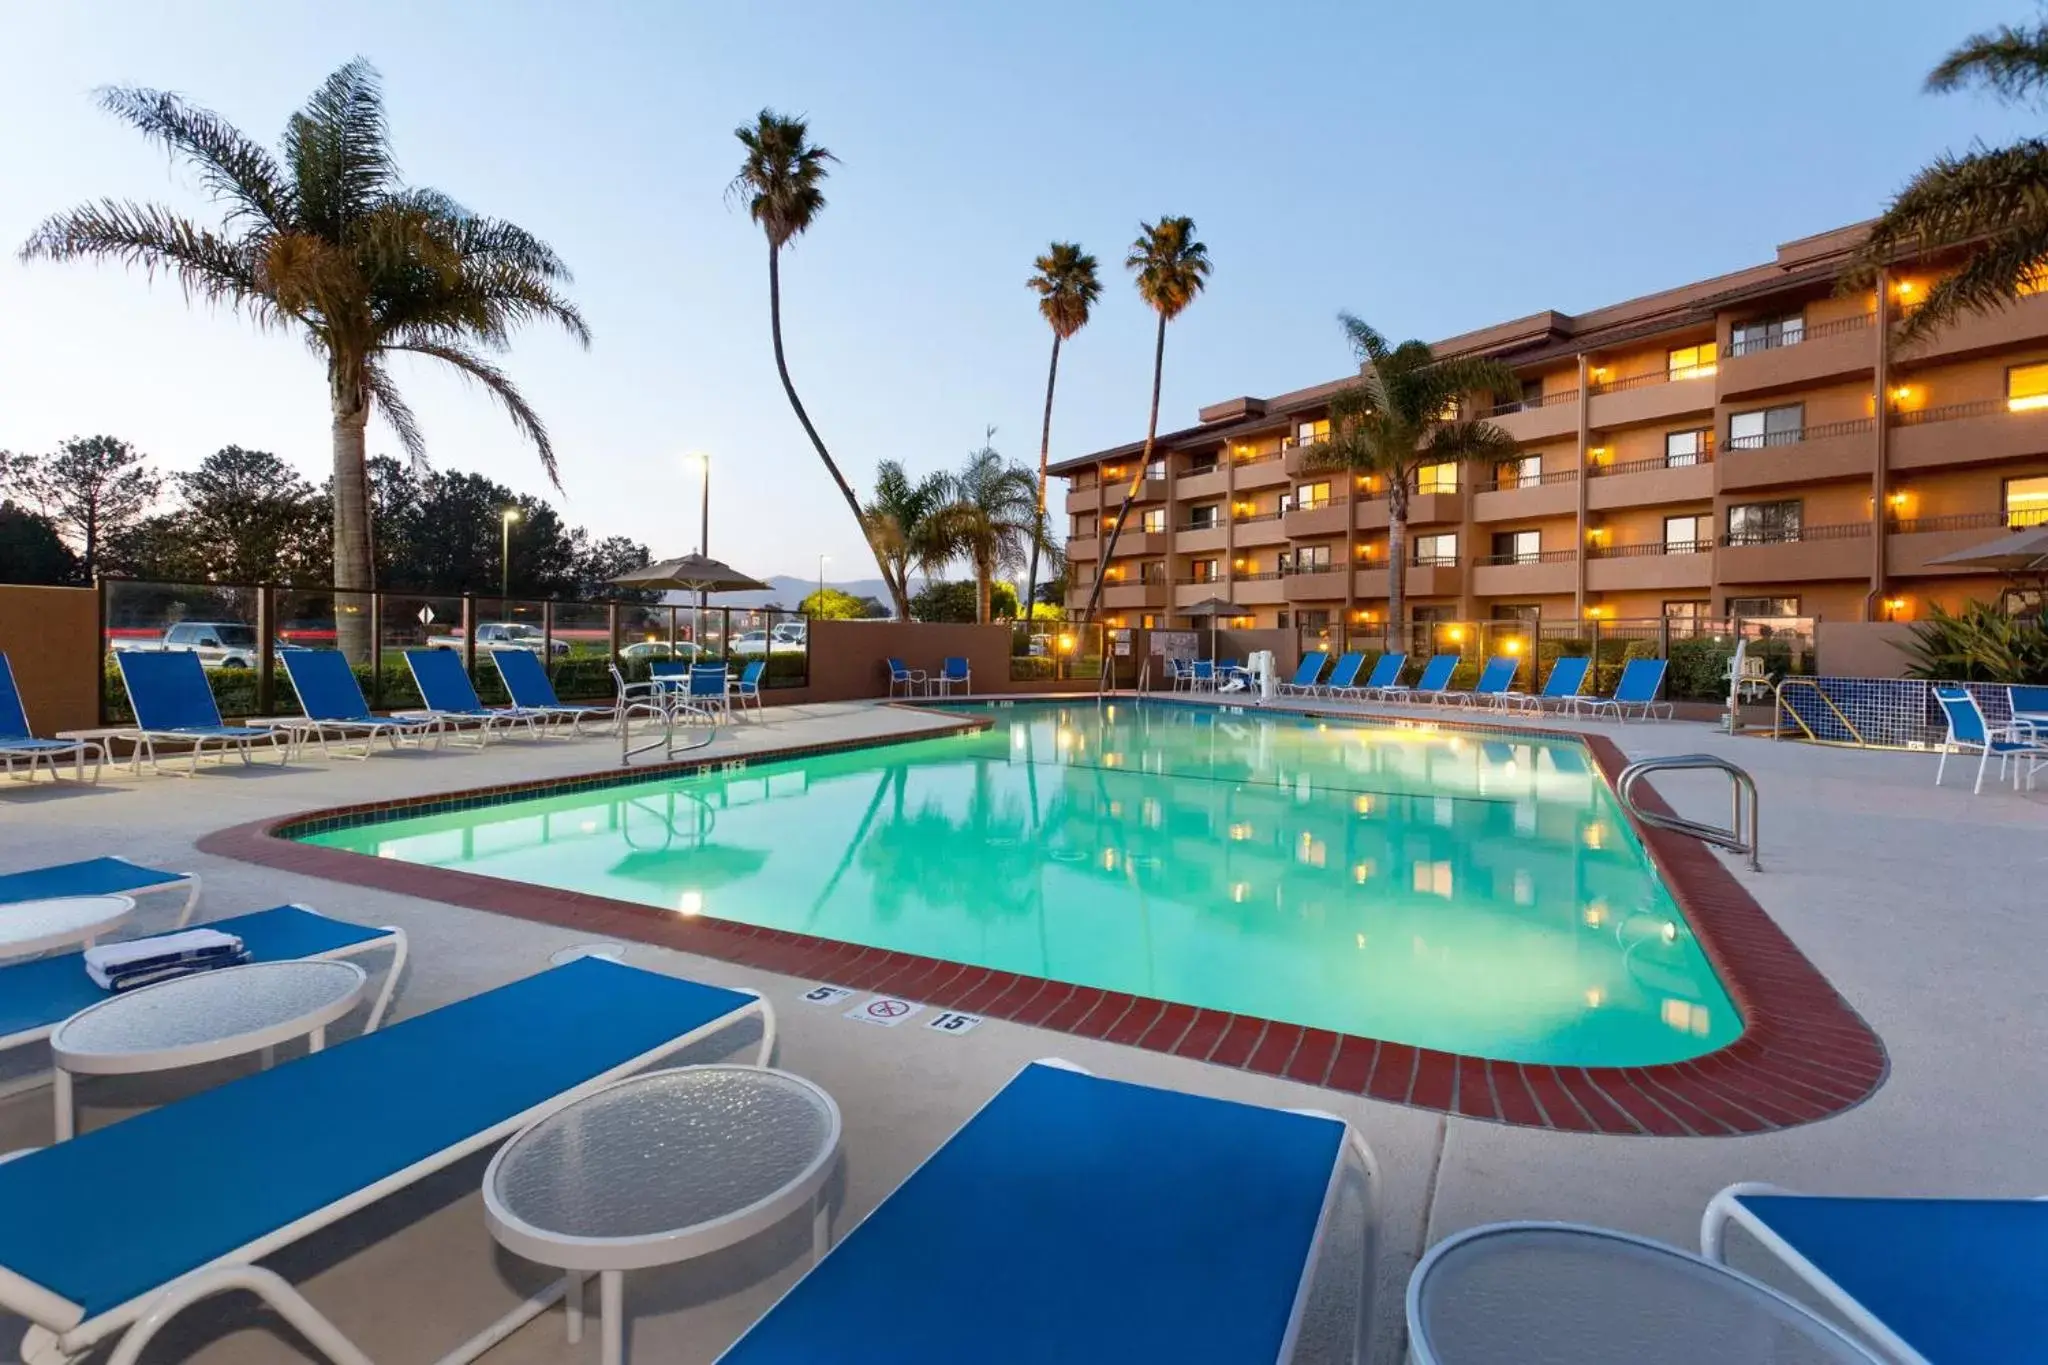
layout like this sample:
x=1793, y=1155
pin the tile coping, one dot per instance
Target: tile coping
x=1804, y=1054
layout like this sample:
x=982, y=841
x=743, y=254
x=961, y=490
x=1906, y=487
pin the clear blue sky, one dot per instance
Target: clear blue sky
x=1432, y=167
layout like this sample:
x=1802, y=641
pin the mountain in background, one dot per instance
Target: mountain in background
x=787, y=590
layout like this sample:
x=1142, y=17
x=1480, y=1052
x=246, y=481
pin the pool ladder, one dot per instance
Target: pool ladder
x=1741, y=834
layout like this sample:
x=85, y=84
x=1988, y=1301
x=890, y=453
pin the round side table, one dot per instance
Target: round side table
x=35, y=926
x=662, y=1168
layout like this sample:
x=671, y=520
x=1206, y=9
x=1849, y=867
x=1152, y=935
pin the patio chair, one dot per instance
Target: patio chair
x=450, y=696
x=335, y=708
x=1641, y=679
x=1926, y=1279
x=645, y=698
x=1968, y=731
x=1164, y=1226
x=913, y=681
x=173, y=701
x=526, y=682
x=18, y=742
x=709, y=689
x=1385, y=676
x=1202, y=675
x=1561, y=689
x=1493, y=684
x=39, y=994
x=110, y=876
x=1303, y=683
x=134, y=1221
x=953, y=673
x=1436, y=676
x=747, y=686
x=1343, y=679
x=2029, y=707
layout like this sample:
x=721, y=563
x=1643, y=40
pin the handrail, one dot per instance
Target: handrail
x=669, y=710
x=1731, y=838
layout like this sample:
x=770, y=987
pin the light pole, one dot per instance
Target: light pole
x=505, y=566
x=821, y=581
x=702, y=459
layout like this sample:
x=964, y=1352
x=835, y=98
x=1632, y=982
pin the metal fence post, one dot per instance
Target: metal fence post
x=547, y=636
x=611, y=629
x=266, y=648
x=100, y=683
x=1663, y=637
x=376, y=649
x=469, y=634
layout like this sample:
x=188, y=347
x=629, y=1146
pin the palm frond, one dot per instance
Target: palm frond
x=1171, y=266
x=1365, y=340
x=1997, y=274
x=397, y=414
x=780, y=176
x=154, y=239
x=2010, y=62
x=338, y=150
x=233, y=167
x=473, y=366
x=1067, y=287
x=1468, y=441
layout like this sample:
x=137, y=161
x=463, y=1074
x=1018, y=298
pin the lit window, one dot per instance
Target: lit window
x=2026, y=501
x=1691, y=362
x=1451, y=410
x=2026, y=387
x=1767, y=334
x=1308, y=433
x=1439, y=478
x=1311, y=496
x=1782, y=426
x=1433, y=879
x=1154, y=521
x=1682, y=448
x=1438, y=551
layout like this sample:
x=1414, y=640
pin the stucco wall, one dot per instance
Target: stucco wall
x=848, y=659
x=1861, y=649
x=51, y=639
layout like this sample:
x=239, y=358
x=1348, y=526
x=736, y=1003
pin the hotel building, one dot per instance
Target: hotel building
x=1758, y=444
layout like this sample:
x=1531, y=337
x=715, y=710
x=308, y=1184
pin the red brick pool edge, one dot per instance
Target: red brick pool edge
x=1804, y=1053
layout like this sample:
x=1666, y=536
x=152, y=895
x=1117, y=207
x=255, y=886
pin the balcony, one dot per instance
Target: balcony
x=1134, y=542
x=1331, y=518
x=2020, y=324
x=1188, y=591
x=1425, y=509
x=1435, y=578
x=1261, y=471
x=1832, y=450
x=1084, y=547
x=1810, y=554
x=1126, y=596
x=1650, y=483
x=1255, y=590
x=1259, y=528
x=1371, y=582
x=1555, y=494
x=1195, y=487
x=1081, y=497
x=1542, y=419
x=1320, y=585
x=1658, y=565
x=1966, y=433
x=1823, y=351
x=1651, y=397
x=1530, y=575
x=1149, y=490
x=1911, y=543
x=1195, y=540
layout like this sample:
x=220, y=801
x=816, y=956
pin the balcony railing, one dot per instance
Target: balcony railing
x=1548, y=400
x=1848, y=530
x=1971, y=521
x=1293, y=570
x=1199, y=580
x=1216, y=525
x=1242, y=461
x=1244, y=518
x=1855, y=322
x=1950, y=412
x=1548, y=476
x=1820, y=432
x=1334, y=500
x=1197, y=471
x=1434, y=561
x=1266, y=577
x=1654, y=547
x=1705, y=455
x=1529, y=557
x=1667, y=375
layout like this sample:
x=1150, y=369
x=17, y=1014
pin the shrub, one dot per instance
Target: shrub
x=1978, y=644
x=1699, y=669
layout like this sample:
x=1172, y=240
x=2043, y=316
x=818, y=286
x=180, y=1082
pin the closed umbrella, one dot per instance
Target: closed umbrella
x=1211, y=607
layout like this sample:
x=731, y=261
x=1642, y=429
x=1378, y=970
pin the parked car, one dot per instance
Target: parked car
x=502, y=635
x=755, y=643
x=219, y=644
x=650, y=650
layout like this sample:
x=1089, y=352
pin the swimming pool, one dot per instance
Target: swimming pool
x=1473, y=893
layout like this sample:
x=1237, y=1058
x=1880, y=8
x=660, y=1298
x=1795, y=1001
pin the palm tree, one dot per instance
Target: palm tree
x=780, y=181
x=325, y=238
x=1171, y=267
x=991, y=520
x=901, y=524
x=1407, y=411
x=1067, y=289
x=1993, y=201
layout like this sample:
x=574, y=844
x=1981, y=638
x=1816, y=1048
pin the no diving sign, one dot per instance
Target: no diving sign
x=885, y=1010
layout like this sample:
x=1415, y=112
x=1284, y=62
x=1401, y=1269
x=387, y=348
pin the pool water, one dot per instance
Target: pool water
x=1463, y=892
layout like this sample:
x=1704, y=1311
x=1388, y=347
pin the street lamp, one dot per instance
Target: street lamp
x=821, y=581
x=702, y=459
x=505, y=566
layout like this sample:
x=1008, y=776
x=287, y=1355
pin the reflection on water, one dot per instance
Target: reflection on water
x=1475, y=895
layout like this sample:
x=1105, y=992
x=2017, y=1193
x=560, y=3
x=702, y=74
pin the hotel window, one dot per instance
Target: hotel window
x=1765, y=335
x=1690, y=362
x=2026, y=500
x=1313, y=618
x=1689, y=534
x=1200, y=464
x=1524, y=472
x=1771, y=426
x=1205, y=518
x=1308, y=433
x=1083, y=525
x=2026, y=387
x=1433, y=615
x=1152, y=571
x=1156, y=470
x=1528, y=615
x=1517, y=547
x=1532, y=393
x=1153, y=520
x=1312, y=559
x=1685, y=617
x=1682, y=448
x=1148, y=621
x=1763, y=523
x=1436, y=551
x=1437, y=478
x=1451, y=411
x=1763, y=606
x=1204, y=570
x=1311, y=496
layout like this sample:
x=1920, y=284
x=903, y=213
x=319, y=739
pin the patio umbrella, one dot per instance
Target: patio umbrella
x=2019, y=553
x=692, y=573
x=1211, y=607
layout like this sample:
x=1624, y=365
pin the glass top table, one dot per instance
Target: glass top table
x=35, y=926
x=229, y=1012
x=1561, y=1294
x=662, y=1168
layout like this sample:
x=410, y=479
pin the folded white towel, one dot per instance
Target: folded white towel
x=109, y=963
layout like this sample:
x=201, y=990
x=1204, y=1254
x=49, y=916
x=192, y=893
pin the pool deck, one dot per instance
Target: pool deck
x=1920, y=906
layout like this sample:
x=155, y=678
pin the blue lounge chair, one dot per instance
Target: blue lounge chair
x=450, y=696
x=1084, y=1219
x=1493, y=684
x=1436, y=676
x=1927, y=1279
x=2021, y=747
x=262, y=1161
x=526, y=682
x=38, y=995
x=98, y=877
x=18, y=743
x=1561, y=689
x=1306, y=672
x=747, y=686
x=1343, y=679
x=1385, y=675
x=173, y=702
x=953, y=673
x=335, y=709
x=1641, y=679
x=2029, y=707
x=912, y=680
